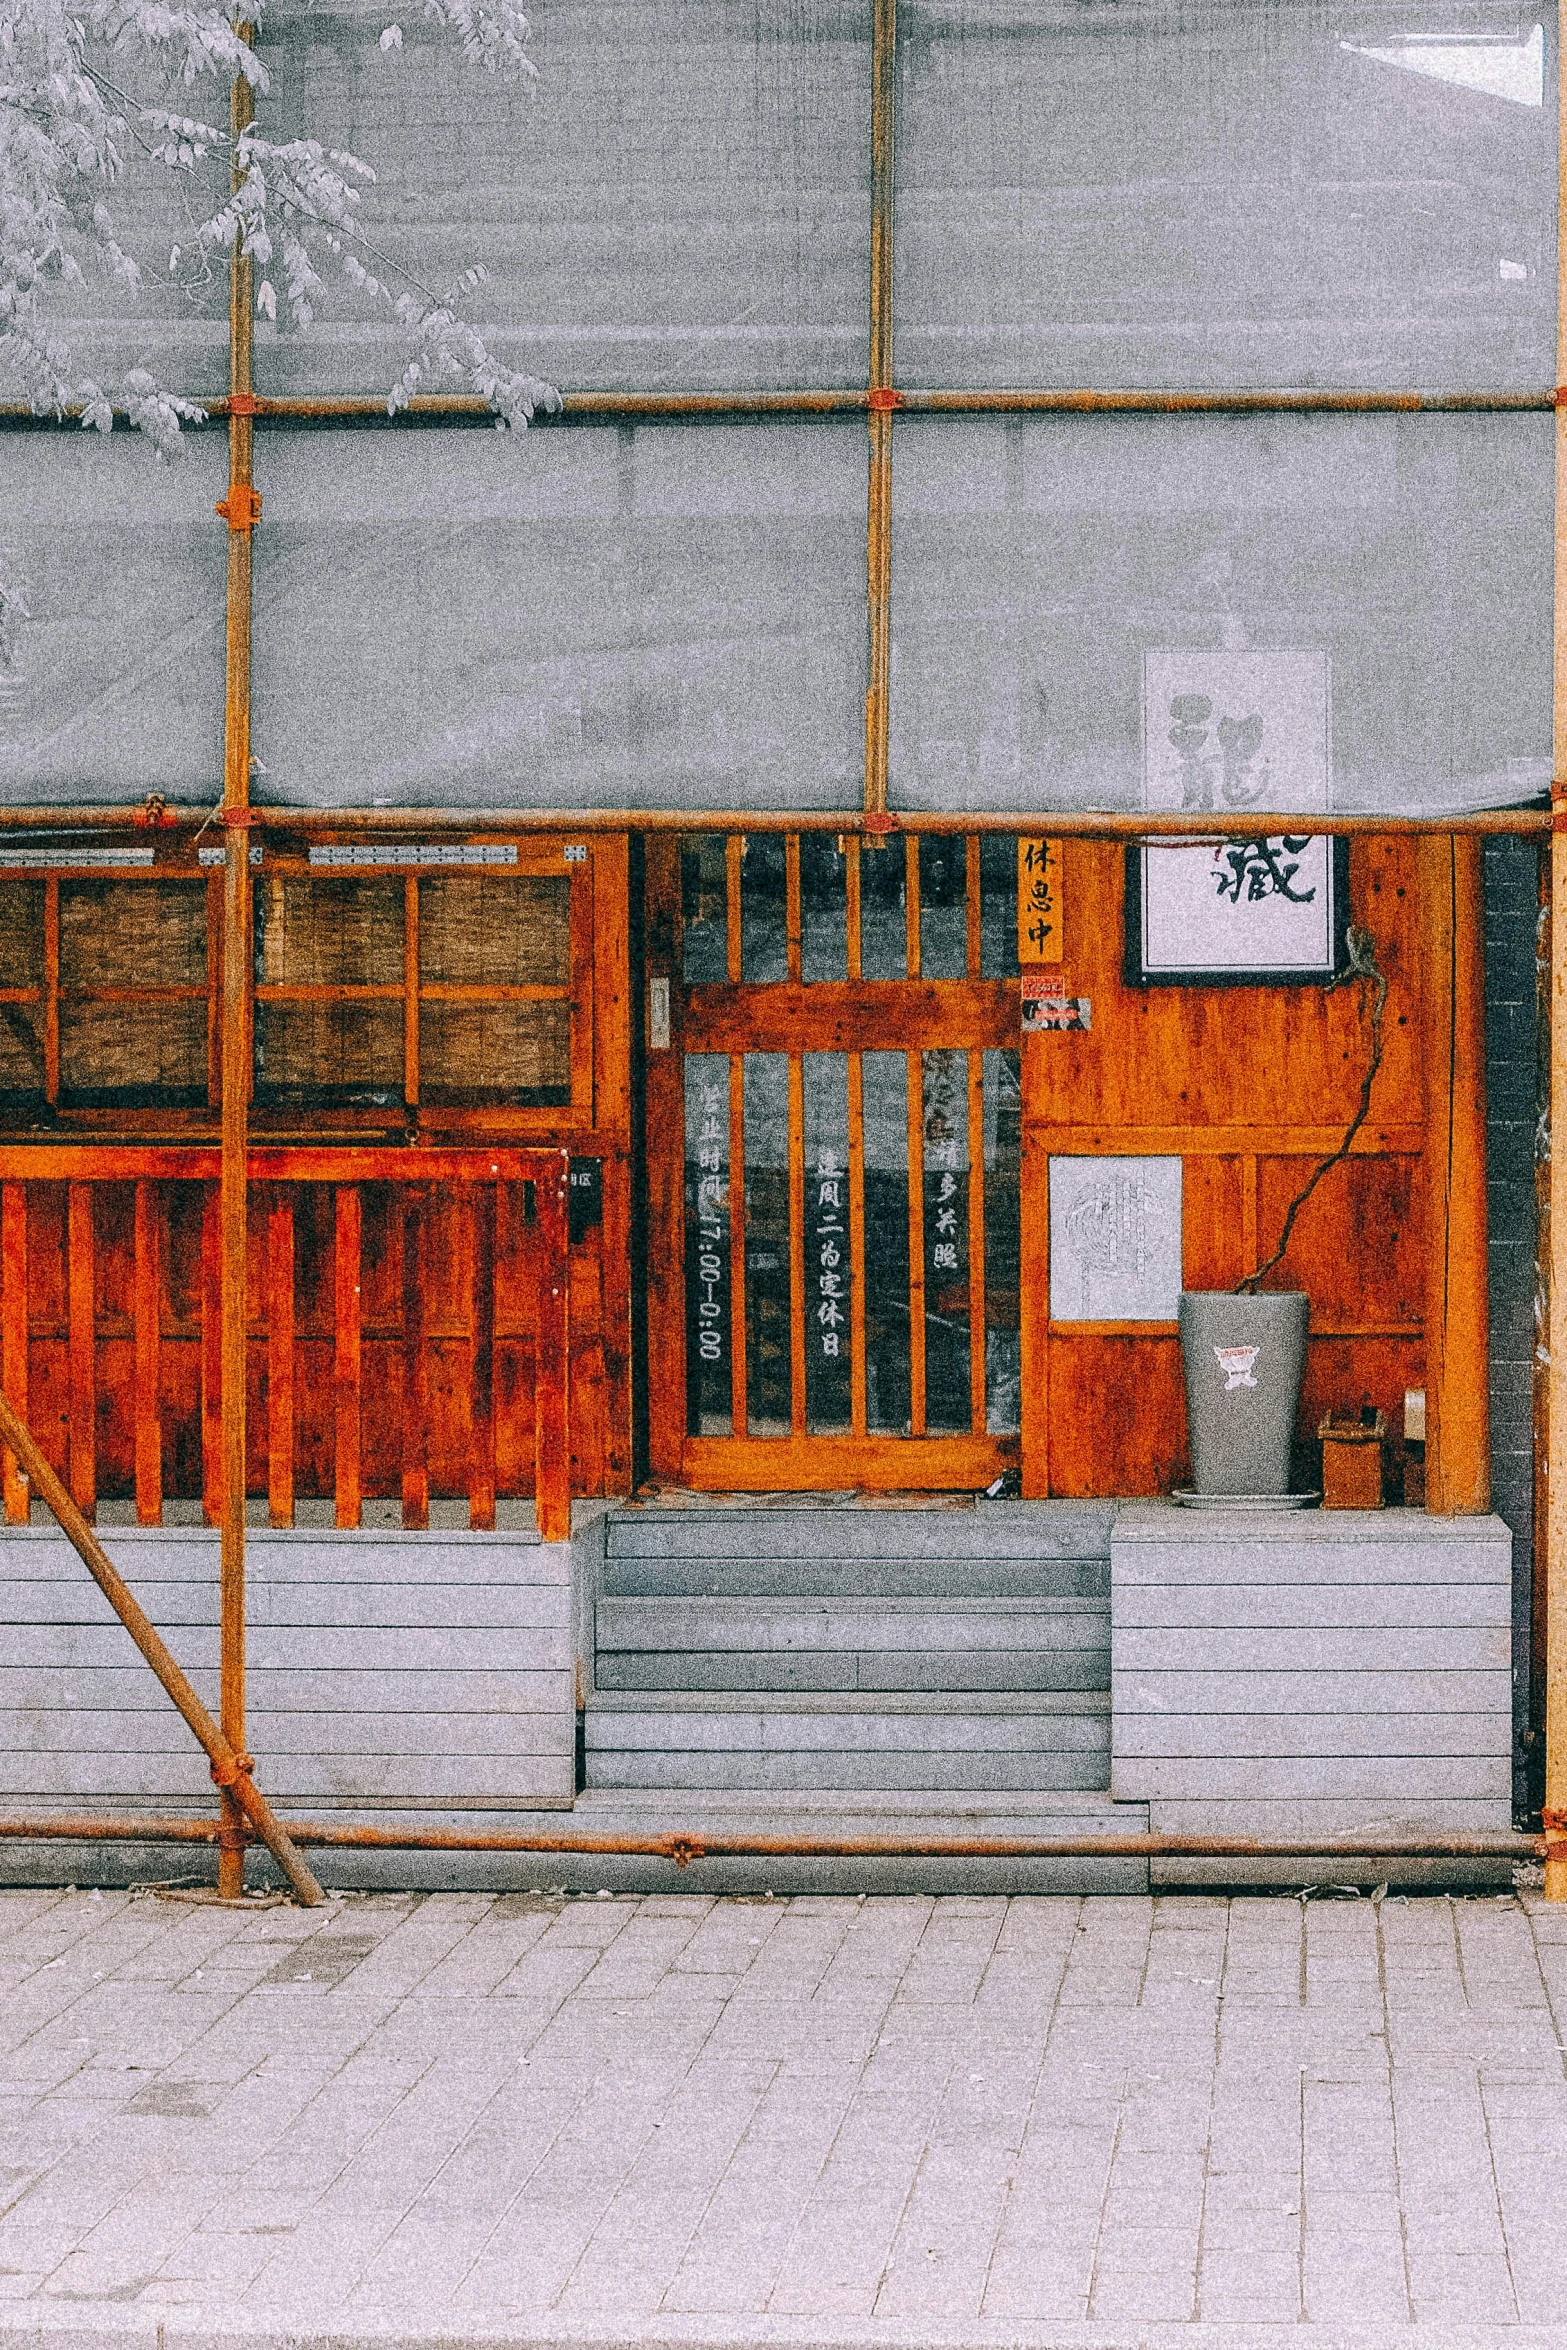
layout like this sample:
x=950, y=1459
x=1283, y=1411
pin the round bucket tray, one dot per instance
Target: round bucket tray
x=1184, y=1498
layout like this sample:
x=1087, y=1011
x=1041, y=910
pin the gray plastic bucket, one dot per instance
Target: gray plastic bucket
x=1243, y=1358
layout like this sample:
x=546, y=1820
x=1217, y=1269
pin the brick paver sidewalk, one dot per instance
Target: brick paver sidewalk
x=805, y=2121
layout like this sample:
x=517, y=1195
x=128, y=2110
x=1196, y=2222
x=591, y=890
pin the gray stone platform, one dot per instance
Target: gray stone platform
x=1045, y=2124
x=1346, y=1670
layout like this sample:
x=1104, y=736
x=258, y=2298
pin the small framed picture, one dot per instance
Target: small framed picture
x=1238, y=913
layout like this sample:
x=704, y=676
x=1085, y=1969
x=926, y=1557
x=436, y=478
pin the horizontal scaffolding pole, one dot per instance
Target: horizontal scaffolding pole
x=611, y=407
x=1078, y=823
x=684, y=1848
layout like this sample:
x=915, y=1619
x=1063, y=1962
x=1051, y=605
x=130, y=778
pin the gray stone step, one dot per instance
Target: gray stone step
x=849, y=1527
x=823, y=1669
x=682, y=1739
x=831, y=1576
x=844, y=1644
x=912, y=1624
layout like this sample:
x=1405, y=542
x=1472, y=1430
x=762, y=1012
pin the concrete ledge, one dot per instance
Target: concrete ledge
x=1348, y=1671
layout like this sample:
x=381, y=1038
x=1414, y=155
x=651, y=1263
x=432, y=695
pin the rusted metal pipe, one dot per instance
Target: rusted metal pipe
x=1079, y=824
x=853, y=400
x=231, y=1769
x=242, y=509
x=683, y=1848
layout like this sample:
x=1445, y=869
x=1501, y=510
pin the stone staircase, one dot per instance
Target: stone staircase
x=838, y=1648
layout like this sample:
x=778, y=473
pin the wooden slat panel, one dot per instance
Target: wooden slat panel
x=972, y=902
x=13, y=1337
x=916, y=1133
x=870, y=1015
x=665, y=1145
x=851, y=885
x=1458, y=1450
x=81, y=1317
x=280, y=1356
x=481, y=1339
x=1117, y=1415
x=148, y=1293
x=416, y=1362
x=926, y=1464
x=552, y=1442
x=797, y=1244
x=411, y=990
x=52, y=988
x=792, y=933
x=734, y=849
x=212, y=1357
x=347, y=1247
x=911, y=900
x=1034, y=1350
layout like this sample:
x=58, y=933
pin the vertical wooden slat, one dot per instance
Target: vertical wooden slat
x=215, y=888
x=411, y=992
x=552, y=1396
x=347, y=1256
x=857, y=1382
x=81, y=1336
x=280, y=1356
x=916, y=1133
x=1249, y=1250
x=851, y=885
x=416, y=1361
x=974, y=904
x=1458, y=1466
x=13, y=1337
x=738, y=1349
x=911, y=901
x=481, y=1334
x=976, y=1229
x=1034, y=1274
x=148, y=1413
x=734, y=851
x=792, y=919
x=665, y=1163
x=212, y=1357
x=796, y=1244
x=52, y=988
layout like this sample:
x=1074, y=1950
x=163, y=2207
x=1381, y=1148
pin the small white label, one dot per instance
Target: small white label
x=658, y=1015
x=1236, y=1363
x=576, y=853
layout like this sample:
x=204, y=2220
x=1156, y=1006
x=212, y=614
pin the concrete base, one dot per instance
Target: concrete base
x=1348, y=1671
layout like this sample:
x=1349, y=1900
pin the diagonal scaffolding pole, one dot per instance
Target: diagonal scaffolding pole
x=231, y=1770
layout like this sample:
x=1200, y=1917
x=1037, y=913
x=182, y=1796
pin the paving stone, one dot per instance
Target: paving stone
x=1120, y=2112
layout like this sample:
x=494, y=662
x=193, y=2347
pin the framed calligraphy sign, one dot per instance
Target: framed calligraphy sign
x=1229, y=730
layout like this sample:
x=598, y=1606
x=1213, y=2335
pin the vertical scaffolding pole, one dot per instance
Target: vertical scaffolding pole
x=239, y=510
x=883, y=400
x=1554, y=1244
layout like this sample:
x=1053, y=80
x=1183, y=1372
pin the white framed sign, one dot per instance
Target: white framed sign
x=1115, y=1239
x=1227, y=730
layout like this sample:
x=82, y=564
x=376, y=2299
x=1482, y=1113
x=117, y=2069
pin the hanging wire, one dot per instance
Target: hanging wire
x=1363, y=970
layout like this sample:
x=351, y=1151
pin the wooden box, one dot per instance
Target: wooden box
x=1352, y=1463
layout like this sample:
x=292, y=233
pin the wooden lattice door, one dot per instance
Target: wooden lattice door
x=834, y=1148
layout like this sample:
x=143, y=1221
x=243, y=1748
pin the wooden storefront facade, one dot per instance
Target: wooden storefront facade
x=624, y=1081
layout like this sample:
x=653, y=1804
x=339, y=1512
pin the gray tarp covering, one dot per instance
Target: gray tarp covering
x=1231, y=192
x=117, y=684
x=682, y=201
